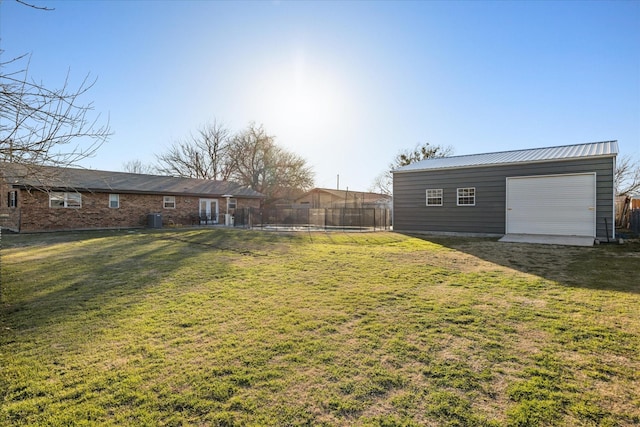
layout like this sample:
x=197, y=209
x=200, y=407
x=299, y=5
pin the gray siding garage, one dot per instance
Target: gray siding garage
x=566, y=190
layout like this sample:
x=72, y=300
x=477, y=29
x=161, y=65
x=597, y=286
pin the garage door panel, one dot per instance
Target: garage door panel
x=556, y=205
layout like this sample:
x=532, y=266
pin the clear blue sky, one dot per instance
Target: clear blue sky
x=346, y=85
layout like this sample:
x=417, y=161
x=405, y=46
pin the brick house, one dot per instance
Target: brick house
x=44, y=198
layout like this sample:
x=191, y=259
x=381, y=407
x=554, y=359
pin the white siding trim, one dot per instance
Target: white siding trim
x=613, y=198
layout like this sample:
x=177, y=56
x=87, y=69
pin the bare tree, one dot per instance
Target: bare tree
x=420, y=152
x=42, y=126
x=202, y=155
x=383, y=182
x=250, y=158
x=136, y=166
x=292, y=174
x=257, y=162
x=627, y=176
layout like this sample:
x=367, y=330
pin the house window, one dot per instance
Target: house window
x=434, y=197
x=232, y=203
x=114, y=200
x=65, y=200
x=12, y=199
x=467, y=196
x=169, y=202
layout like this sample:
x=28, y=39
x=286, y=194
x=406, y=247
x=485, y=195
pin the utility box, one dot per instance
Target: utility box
x=228, y=220
x=154, y=220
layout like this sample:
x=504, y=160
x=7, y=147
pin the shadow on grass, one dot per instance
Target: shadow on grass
x=182, y=338
x=611, y=267
x=91, y=275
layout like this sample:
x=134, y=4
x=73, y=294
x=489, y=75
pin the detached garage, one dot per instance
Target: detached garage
x=555, y=191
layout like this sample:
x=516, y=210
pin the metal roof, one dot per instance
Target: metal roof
x=533, y=155
x=117, y=182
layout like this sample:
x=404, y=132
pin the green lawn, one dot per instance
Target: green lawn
x=235, y=327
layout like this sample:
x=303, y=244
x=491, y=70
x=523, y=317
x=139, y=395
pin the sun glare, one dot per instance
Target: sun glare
x=309, y=97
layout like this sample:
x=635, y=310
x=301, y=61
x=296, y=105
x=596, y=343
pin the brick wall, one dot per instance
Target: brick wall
x=95, y=213
x=9, y=217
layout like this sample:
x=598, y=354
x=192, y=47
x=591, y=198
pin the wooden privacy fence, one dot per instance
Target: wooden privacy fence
x=317, y=219
x=625, y=205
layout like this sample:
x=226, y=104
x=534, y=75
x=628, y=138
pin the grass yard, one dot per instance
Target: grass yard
x=233, y=327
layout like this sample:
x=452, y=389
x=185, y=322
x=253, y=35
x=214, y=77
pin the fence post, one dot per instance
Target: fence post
x=0, y=265
x=634, y=219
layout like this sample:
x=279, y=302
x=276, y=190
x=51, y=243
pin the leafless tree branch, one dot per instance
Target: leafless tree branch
x=136, y=166
x=48, y=9
x=250, y=158
x=627, y=176
x=383, y=183
x=257, y=162
x=202, y=155
x=42, y=126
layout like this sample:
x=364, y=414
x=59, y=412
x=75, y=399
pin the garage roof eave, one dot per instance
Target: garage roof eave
x=605, y=149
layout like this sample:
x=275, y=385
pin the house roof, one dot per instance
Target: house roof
x=341, y=194
x=118, y=182
x=533, y=155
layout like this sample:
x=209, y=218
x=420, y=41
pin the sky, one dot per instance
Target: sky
x=347, y=85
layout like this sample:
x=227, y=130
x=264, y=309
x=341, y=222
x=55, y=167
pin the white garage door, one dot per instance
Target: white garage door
x=554, y=204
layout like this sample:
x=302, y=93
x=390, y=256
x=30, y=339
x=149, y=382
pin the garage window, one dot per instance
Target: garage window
x=434, y=197
x=467, y=196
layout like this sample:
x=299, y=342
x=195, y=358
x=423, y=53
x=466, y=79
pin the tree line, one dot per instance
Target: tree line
x=249, y=157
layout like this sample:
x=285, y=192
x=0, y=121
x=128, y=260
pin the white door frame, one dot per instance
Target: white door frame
x=208, y=211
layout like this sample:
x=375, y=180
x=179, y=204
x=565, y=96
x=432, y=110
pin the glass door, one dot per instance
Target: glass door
x=208, y=211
